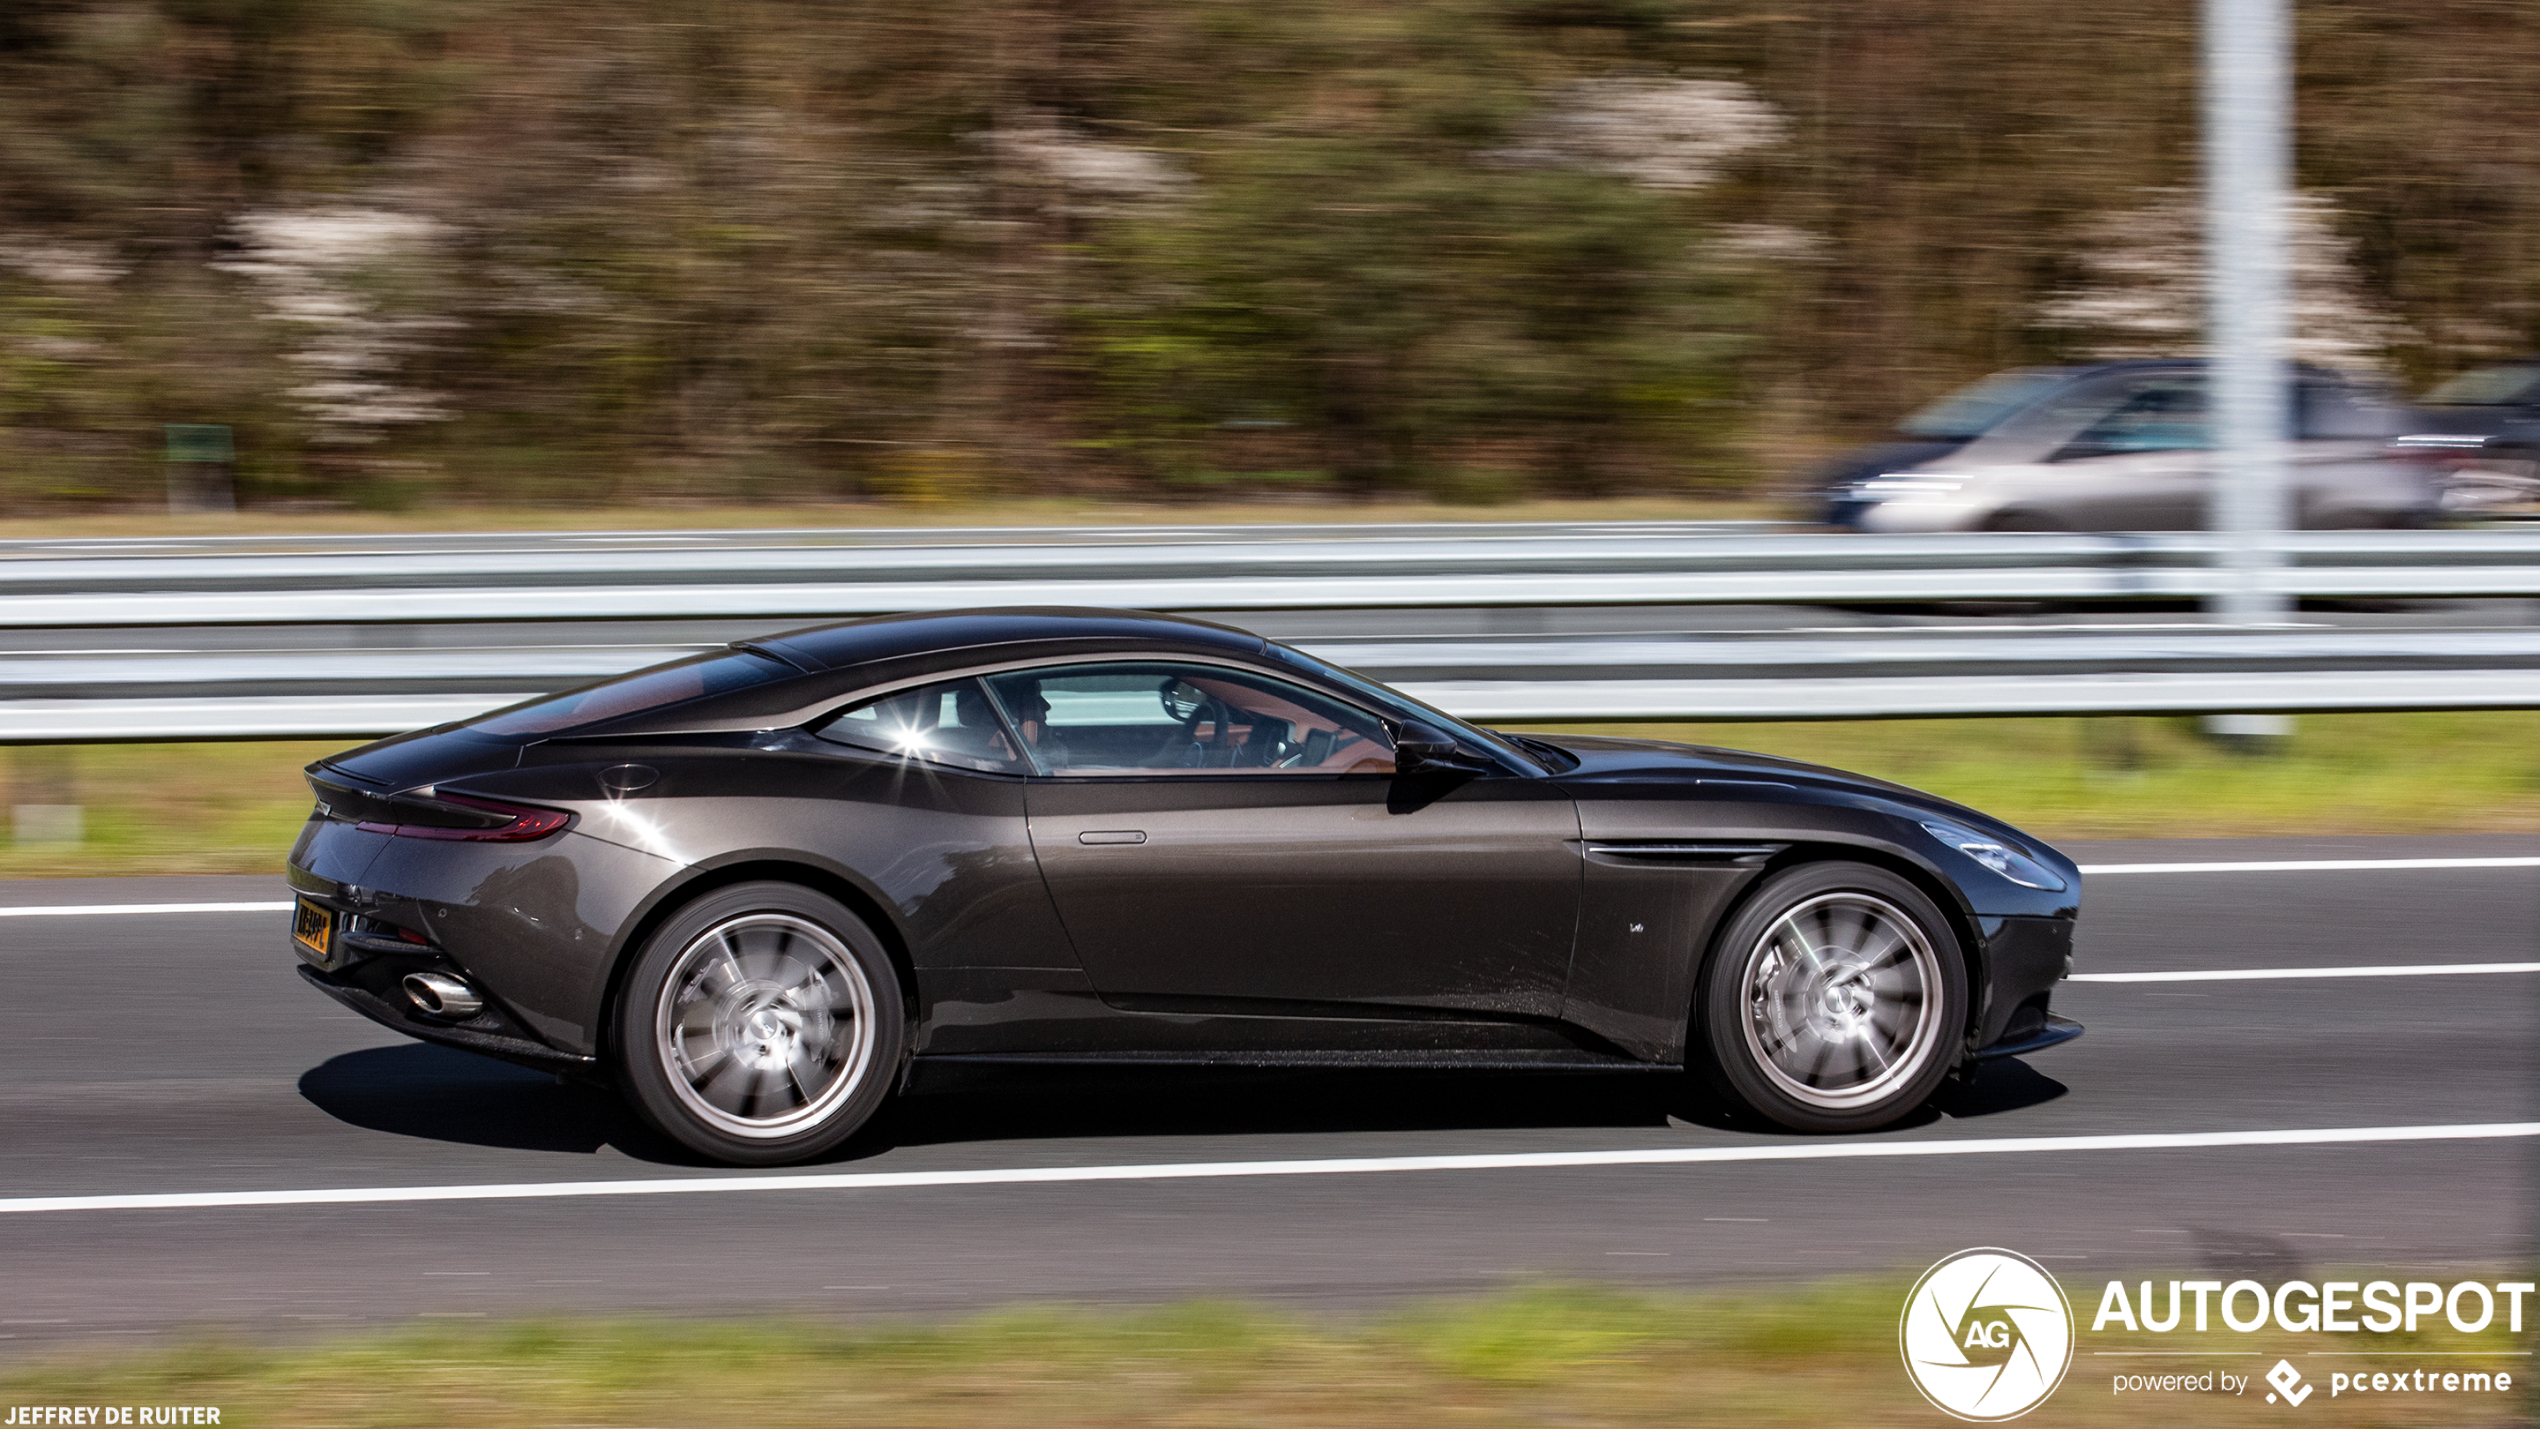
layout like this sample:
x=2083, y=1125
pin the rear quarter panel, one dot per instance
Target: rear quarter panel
x=940, y=858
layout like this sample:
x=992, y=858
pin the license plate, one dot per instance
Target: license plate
x=313, y=928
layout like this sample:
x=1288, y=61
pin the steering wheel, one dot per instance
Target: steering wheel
x=1182, y=699
x=1191, y=705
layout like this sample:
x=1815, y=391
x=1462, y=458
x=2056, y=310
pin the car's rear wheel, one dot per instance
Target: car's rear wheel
x=1835, y=999
x=761, y=1024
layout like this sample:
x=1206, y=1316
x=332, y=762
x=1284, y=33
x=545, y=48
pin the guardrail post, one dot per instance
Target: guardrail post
x=2246, y=50
x=44, y=809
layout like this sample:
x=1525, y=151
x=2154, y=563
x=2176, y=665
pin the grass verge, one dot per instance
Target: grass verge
x=2145, y=777
x=234, y=808
x=1040, y=511
x=1546, y=1355
x=160, y=808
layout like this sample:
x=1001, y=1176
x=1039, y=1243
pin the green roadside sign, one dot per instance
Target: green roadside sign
x=199, y=443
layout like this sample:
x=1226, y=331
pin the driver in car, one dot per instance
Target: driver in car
x=1031, y=712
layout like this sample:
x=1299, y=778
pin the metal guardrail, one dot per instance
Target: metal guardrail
x=591, y=604
x=1227, y=569
x=317, y=693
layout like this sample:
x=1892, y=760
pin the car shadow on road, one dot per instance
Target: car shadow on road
x=1033, y=1104
x=2004, y=1084
x=440, y=1094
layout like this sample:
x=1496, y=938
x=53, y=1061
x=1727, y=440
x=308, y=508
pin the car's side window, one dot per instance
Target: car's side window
x=2334, y=411
x=1168, y=717
x=2164, y=414
x=952, y=724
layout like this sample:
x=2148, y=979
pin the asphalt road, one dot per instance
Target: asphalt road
x=157, y=1053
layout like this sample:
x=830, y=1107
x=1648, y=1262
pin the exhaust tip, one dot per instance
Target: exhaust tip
x=442, y=995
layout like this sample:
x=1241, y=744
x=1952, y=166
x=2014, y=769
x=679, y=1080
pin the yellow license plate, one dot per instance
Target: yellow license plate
x=313, y=928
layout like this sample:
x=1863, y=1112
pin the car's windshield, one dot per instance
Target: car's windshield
x=1973, y=410
x=2506, y=386
x=1395, y=703
x=689, y=679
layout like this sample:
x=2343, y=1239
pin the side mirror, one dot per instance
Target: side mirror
x=1426, y=749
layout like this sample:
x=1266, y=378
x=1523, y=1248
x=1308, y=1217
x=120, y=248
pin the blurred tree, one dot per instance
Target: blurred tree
x=591, y=250
x=1423, y=257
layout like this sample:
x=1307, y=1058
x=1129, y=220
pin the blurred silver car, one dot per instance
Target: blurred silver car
x=2477, y=439
x=2126, y=447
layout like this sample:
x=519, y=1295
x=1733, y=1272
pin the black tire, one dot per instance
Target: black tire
x=1818, y=1041
x=788, y=1038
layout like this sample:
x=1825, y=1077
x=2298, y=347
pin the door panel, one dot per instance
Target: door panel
x=1306, y=895
x=2144, y=466
x=2146, y=491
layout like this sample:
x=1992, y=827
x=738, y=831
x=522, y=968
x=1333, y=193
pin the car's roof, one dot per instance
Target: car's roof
x=853, y=643
x=2179, y=364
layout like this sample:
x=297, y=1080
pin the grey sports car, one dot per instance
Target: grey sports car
x=2124, y=447
x=763, y=888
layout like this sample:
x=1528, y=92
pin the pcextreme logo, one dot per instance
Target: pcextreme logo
x=1987, y=1335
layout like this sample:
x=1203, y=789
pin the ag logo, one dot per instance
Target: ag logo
x=1987, y=1335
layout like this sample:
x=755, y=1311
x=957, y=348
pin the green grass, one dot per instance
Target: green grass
x=233, y=808
x=1306, y=507
x=2144, y=777
x=164, y=808
x=1560, y=1354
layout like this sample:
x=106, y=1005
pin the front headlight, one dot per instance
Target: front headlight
x=1905, y=485
x=2000, y=857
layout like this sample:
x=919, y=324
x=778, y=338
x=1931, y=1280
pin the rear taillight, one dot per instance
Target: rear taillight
x=454, y=816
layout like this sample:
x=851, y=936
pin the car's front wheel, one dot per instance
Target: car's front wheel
x=1835, y=999
x=761, y=1024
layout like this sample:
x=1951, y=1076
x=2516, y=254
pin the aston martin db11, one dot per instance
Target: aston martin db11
x=761, y=889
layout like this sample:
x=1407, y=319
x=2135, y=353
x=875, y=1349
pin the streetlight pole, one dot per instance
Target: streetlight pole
x=2247, y=100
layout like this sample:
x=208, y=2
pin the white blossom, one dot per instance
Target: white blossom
x=1660, y=134
x=1769, y=243
x=2146, y=296
x=308, y=264
x=1090, y=165
x=55, y=261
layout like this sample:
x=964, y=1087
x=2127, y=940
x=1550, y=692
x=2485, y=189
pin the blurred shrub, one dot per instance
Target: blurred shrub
x=934, y=477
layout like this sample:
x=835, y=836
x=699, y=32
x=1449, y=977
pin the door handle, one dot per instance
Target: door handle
x=1112, y=836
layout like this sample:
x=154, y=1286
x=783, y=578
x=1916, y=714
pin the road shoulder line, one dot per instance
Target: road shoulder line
x=2247, y=974
x=2309, y=865
x=1859, y=1149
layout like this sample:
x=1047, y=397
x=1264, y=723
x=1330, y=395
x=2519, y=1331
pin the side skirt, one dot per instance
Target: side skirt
x=946, y=1072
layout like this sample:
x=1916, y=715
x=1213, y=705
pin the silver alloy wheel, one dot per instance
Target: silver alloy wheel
x=765, y=1025
x=1838, y=998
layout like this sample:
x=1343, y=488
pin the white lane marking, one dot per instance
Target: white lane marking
x=2311, y=865
x=1219, y=1170
x=96, y=910
x=2241, y=974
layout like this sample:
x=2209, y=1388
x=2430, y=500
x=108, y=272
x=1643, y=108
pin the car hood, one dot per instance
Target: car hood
x=1862, y=463
x=1648, y=762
